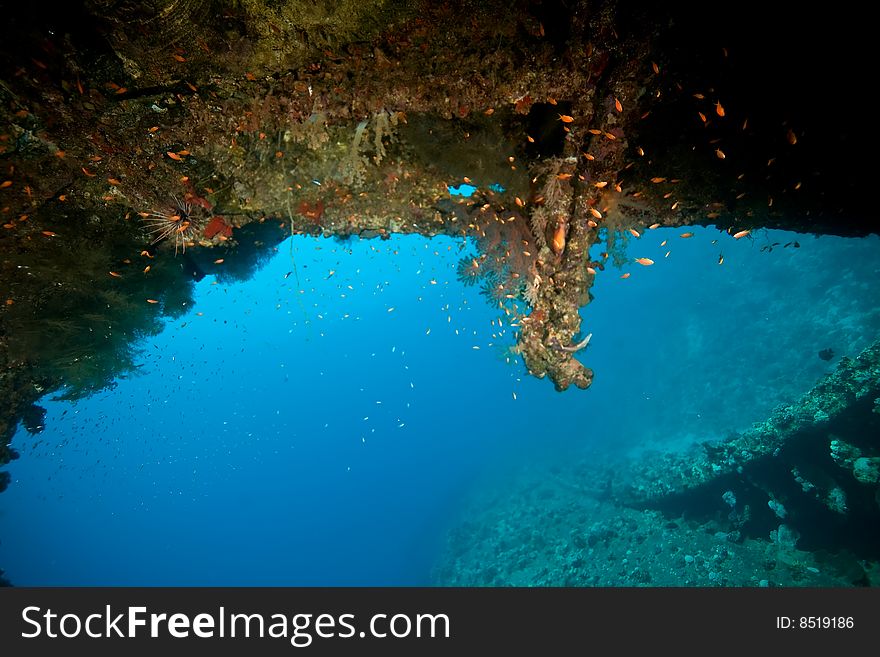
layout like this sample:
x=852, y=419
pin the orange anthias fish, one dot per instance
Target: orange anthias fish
x=646, y=262
x=558, y=243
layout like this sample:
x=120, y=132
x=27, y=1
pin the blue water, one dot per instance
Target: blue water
x=324, y=422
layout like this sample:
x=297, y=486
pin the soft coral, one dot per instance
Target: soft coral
x=218, y=226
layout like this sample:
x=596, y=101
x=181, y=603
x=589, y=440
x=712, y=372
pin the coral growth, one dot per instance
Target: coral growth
x=620, y=209
x=312, y=132
x=620, y=212
x=352, y=168
x=507, y=264
x=218, y=226
x=553, y=203
x=311, y=211
x=469, y=271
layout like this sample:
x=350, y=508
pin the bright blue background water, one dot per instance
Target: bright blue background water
x=316, y=432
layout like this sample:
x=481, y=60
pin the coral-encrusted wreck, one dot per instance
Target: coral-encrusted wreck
x=354, y=118
x=812, y=466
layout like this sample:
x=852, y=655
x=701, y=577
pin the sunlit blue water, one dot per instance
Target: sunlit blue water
x=324, y=422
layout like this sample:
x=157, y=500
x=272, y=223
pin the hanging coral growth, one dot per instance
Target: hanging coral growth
x=506, y=266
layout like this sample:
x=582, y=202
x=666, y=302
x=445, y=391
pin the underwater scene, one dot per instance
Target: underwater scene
x=354, y=414
x=542, y=293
